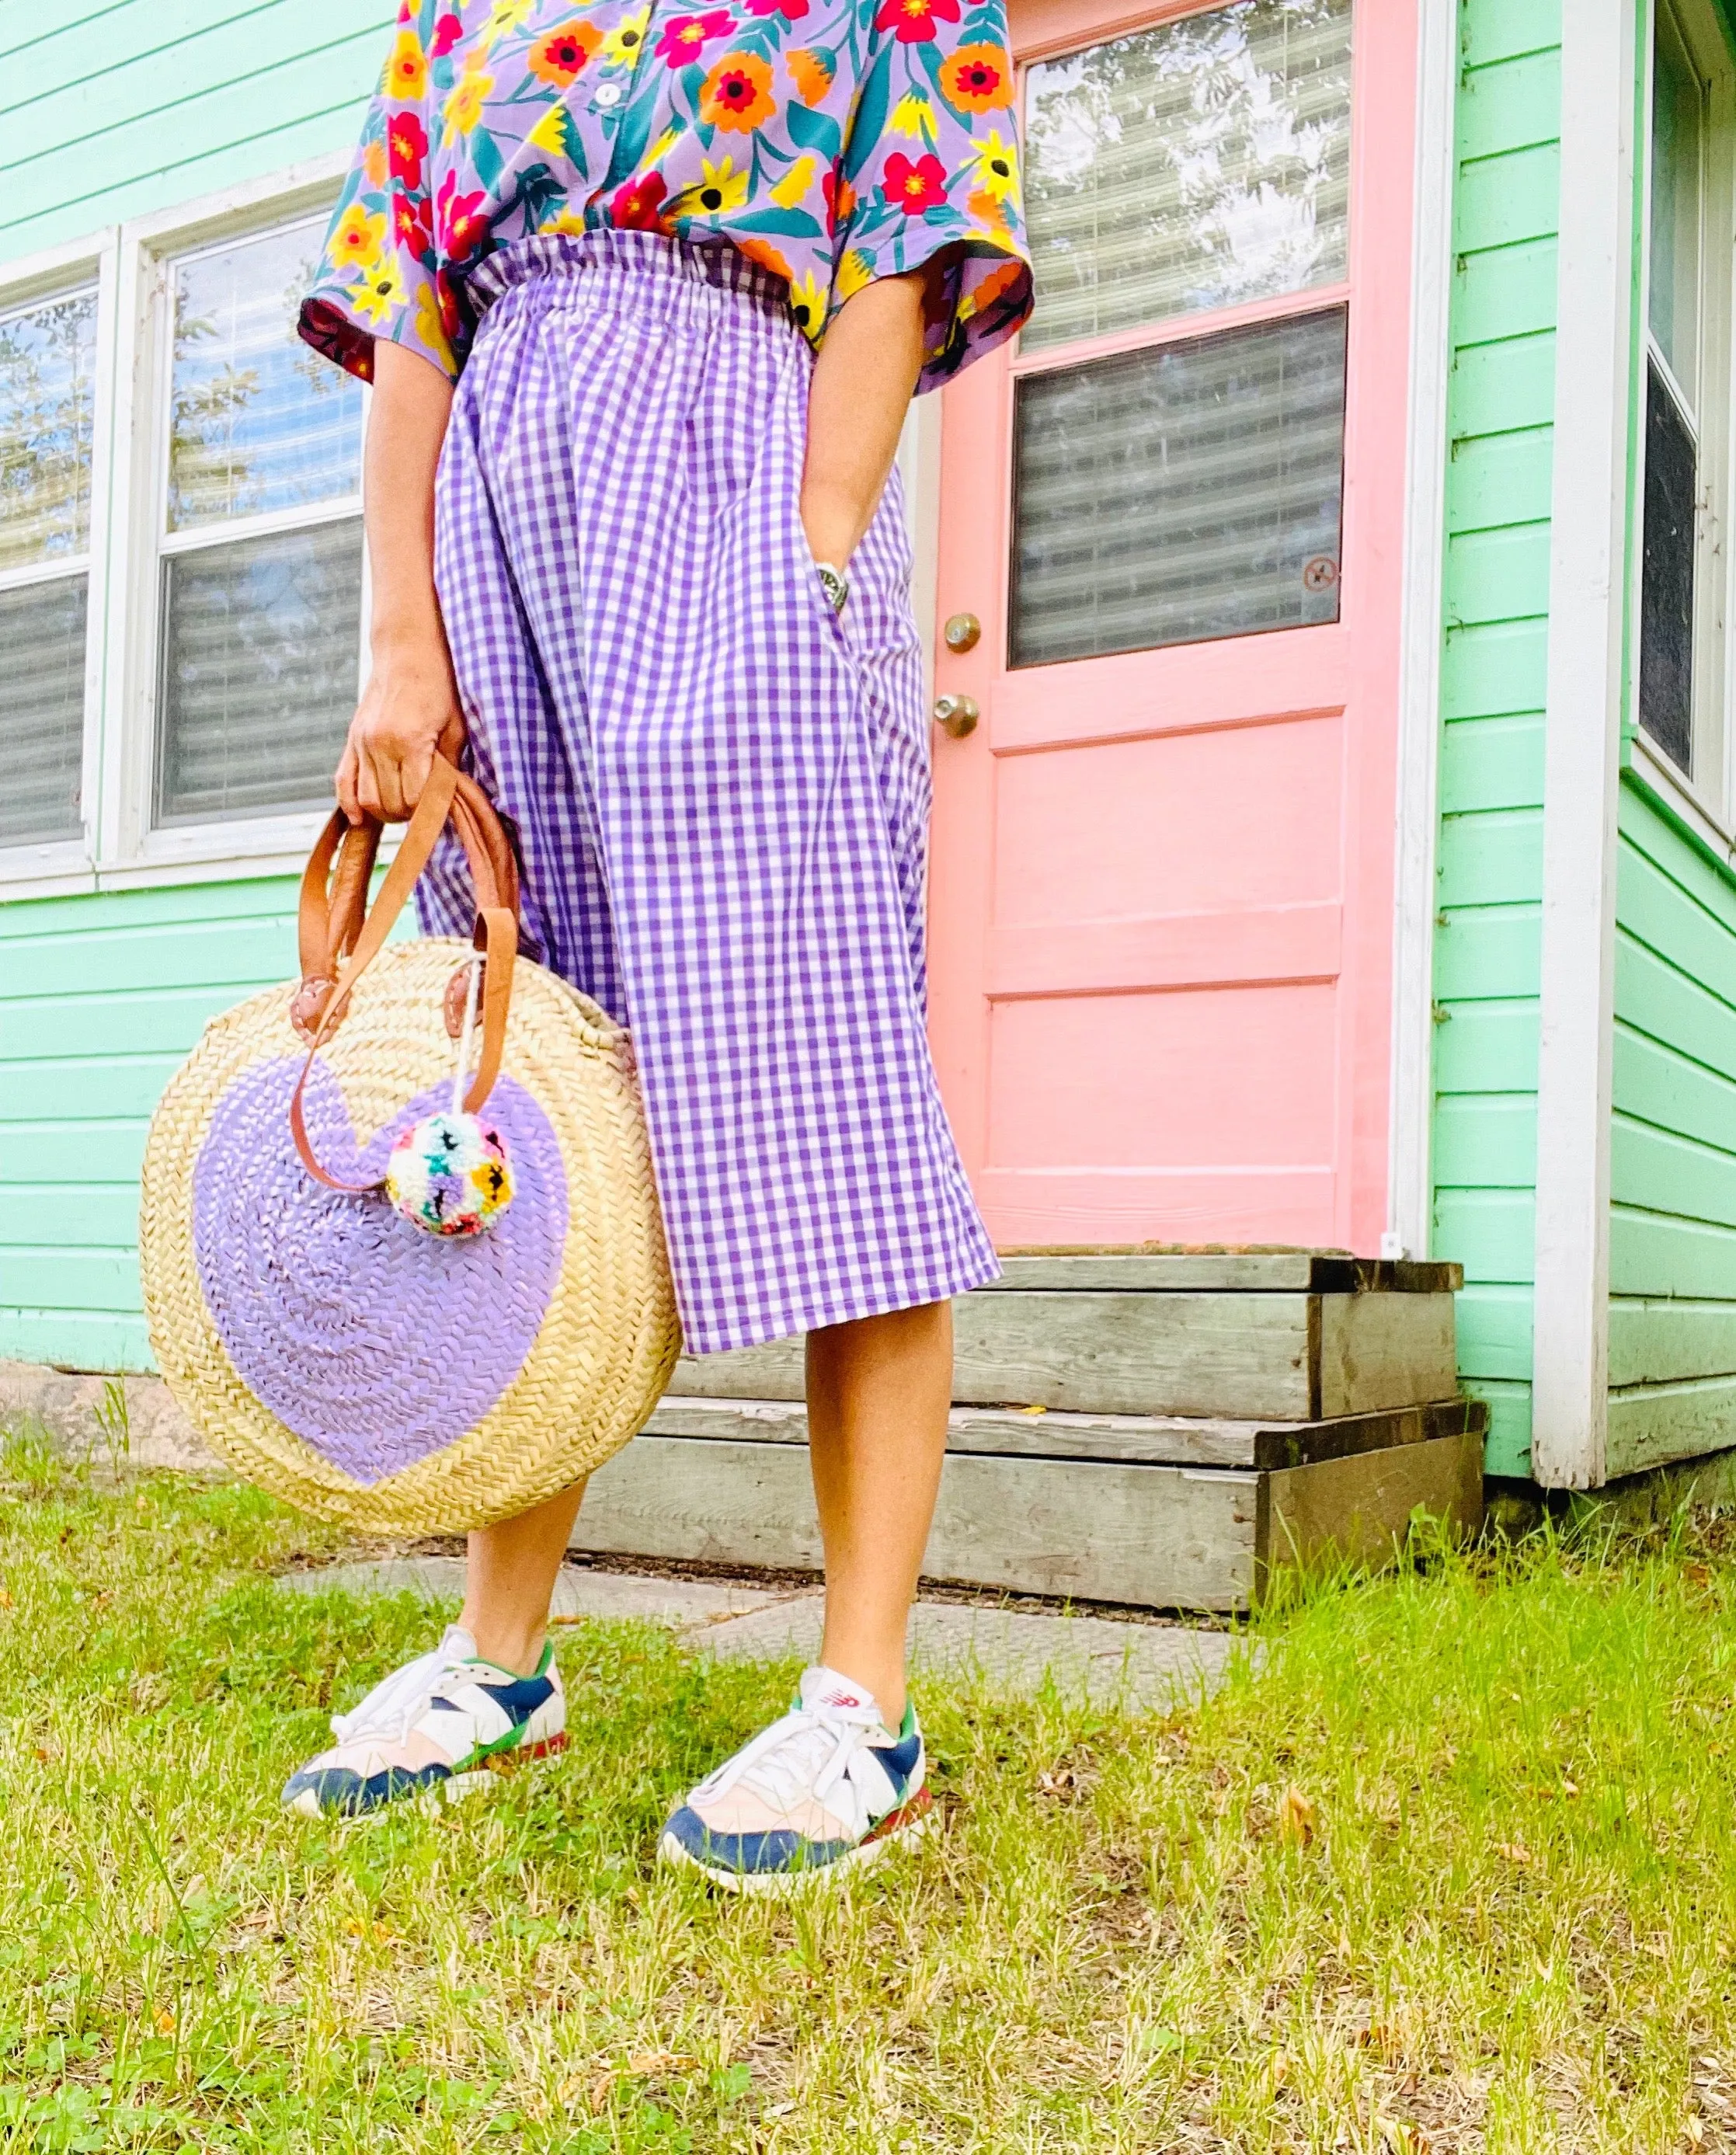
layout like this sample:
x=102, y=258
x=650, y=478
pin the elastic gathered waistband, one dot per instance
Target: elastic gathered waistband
x=679, y=271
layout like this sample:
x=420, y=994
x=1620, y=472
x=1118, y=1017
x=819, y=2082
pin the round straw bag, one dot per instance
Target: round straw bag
x=316, y=1334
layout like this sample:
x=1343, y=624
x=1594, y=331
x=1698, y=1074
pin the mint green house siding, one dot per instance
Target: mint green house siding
x=100, y=997
x=1495, y=606
x=109, y=112
x=1672, y=1156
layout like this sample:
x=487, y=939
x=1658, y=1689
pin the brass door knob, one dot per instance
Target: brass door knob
x=957, y=715
x=961, y=632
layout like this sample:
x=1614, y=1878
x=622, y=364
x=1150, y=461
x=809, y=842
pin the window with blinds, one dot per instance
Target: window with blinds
x=260, y=554
x=1191, y=487
x=48, y=364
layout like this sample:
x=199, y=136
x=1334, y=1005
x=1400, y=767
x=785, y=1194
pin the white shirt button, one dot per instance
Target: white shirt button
x=608, y=93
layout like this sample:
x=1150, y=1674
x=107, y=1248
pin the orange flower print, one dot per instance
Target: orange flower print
x=810, y=73
x=737, y=93
x=407, y=67
x=978, y=78
x=561, y=57
x=766, y=255
x=374, y=164
x=840, y=198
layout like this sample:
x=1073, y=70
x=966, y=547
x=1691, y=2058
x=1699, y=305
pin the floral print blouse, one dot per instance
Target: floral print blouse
x=834, y=141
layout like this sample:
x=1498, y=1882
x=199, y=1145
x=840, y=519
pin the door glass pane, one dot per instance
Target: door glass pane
x=260, y=642
x=42, y=708
x=1677, y=130
x=258, y=421
x=1666, y=579
x=48, y=366
x=1167, y=496
x=1203, y=163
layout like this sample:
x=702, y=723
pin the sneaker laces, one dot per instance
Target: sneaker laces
x=810, y=1751
x=391, y=1709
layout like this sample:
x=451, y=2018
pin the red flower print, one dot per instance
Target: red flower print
x=635, y=208
x=840, y=198
x=447, y=32
x=687, y=36
x=407, y=143
x=459, y=220
x=561, y=57
x=736, y=95
x=792, y=10
x=915, y=187
x=978, y=78
x=914, y=20
x=447, y=300
x=411, y=223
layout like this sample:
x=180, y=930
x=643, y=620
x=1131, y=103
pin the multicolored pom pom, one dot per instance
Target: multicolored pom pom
x=449, y=1175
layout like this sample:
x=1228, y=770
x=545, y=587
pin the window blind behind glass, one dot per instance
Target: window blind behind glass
x=1203, y=163
x=42, y=708
x=260, y=660
x=1169, y=495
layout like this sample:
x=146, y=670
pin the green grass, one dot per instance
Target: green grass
x=1453, y=1867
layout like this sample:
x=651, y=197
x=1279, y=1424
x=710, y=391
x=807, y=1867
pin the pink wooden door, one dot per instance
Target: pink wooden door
x=1160, y=903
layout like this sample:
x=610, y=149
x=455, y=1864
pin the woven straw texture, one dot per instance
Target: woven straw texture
x=608, y=1337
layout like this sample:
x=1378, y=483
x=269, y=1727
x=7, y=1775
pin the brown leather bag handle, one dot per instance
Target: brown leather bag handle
x=449, y=795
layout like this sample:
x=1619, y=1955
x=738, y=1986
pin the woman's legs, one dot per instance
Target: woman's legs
x=513, y=1568
x=878, y=1390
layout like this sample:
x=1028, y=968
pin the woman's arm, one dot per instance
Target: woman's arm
x=411, y=703
x=863, y=382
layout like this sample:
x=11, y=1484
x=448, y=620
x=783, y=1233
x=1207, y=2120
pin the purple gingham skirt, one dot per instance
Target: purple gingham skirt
x=721, y=790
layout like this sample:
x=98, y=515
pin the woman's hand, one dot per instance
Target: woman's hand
x=860, y=391
x=410, y=708
x=408, y=713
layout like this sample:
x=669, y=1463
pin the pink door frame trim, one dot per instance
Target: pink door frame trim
x=1155, y=1018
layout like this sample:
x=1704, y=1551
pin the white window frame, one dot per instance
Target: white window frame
x=130, y=851
x=44, y=866
x=1706, y=799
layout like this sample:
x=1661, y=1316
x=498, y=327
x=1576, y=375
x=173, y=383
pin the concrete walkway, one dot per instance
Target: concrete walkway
x=1135, y=1664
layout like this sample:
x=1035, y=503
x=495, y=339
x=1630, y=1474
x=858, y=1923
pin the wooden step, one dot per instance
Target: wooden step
x=697, y=1487
x=1130, y=1440
x=1293, y=1336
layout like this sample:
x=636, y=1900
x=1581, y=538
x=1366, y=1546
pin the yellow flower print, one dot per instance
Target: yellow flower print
x=665, y=142
x=430, y=328
x=380, y=292
x=624, y=41
x=464, y=107
x=791, y=189
x=807, y=303
x=854, y=270
x=563, y=220
x=555, y=134
x=913, y=115
x=506, y=15
x=997, y=167
x=359, y=238
x=720, y=188
x=407, y=67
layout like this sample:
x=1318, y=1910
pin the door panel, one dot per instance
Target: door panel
x=1160, y=899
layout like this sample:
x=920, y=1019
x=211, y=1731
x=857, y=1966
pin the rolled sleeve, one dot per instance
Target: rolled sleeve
x=930, y=172
x=380, y=274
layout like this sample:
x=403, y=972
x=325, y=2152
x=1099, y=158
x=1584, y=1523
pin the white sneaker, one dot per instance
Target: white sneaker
x=436, y=1728
x=829, y=1789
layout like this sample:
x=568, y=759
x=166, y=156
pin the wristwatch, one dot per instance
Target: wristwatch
x=834, y=583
